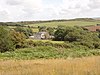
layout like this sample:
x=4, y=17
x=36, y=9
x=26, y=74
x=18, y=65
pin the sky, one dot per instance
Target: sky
x=29, y=10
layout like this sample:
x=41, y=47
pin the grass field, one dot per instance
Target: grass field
x=66, y=23
x=77, y=66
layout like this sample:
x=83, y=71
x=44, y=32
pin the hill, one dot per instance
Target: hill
x=55, y=23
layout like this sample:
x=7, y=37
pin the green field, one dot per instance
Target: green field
x=65, y=23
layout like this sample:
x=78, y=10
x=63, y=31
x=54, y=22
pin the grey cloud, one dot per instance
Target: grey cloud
x=94, y=4
x=13, y=2
x=4, y=16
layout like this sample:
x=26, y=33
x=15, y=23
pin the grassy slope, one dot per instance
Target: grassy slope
x=84, y=66
x=66, y=23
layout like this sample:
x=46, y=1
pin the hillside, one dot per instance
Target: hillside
x=55, y=23
x=65, y=23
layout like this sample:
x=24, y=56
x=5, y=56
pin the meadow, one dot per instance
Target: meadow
x=77, y=66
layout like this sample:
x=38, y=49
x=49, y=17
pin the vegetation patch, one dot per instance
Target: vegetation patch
x=48, y=52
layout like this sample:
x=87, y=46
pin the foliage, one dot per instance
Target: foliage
x=27, y=31
x=18, y=39
x=48, y=52
x=32, y=43
x=6, y=43
x=60, y=33
x=79, y=36
x=42, y=28
x=50, y=30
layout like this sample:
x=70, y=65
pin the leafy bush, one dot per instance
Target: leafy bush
x=6, y=43
x=31, y=43
x=27, y=31
x=77, y=34
x=48, y=52
x=18, y=39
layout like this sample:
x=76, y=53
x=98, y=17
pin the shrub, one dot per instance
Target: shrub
x=6, y=43
x=27, y=31
x=18, y=39
x=31, y=43
x=77, y=34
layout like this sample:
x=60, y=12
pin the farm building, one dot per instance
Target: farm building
x=92, y=28
x=40, y=36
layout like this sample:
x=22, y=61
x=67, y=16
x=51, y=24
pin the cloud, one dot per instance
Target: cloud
x=4, y=16
x=94, y=4
x=13, y=2
x=21, y=9
x=17, y=10
x=80, y=8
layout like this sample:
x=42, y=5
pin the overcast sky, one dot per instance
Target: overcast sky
x=21, y=10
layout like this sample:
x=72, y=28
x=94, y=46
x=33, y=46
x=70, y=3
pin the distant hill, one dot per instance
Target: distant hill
x=48, y=21
x=83, y=19
x=62, y=20
x=10, y=24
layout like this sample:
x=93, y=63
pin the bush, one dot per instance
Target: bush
x=27, y=31
x=31, y=43
x=18, y=39
x=6, y=43
x=77, y=34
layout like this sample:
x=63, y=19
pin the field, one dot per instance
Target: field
x=46, y=57
x=77, y=66
x=66, y=23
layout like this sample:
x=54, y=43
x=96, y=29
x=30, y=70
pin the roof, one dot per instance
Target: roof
x=92, y=28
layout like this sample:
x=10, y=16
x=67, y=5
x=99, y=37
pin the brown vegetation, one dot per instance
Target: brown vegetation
x=92, y=28
x=78, y=66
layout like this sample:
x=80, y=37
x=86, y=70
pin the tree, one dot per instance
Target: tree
x=6, y=43
x=50, y=30
x=42, y=28
x=83, y=37
x=60, y=33
x=27, y=31
x=77, y=35
x=18, y=39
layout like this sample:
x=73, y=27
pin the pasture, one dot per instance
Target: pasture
x=65, y=23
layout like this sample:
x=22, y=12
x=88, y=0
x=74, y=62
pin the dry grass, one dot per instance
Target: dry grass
x=78, y=66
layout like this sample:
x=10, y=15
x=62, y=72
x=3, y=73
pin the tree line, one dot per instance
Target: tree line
x=10, y=39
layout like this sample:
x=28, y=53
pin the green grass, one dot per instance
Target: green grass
x=66, y=23
x=35, y=29
x=46, y=41
x=47, y=52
